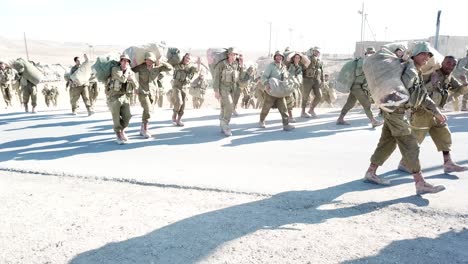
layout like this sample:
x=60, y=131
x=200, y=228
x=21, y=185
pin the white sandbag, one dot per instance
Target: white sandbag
x=82, y=75
x=137, y=53
x=383, y=72
x=28, y=71
x=279, y=88
x=434, y=63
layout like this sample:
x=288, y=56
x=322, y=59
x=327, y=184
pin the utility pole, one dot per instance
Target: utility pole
x=436, y=39
x=269, y=46
x=362, y=26
x=26, y=46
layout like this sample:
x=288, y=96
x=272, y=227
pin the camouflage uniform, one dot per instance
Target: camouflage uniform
x=295, y=73
x=122, y=85
x=183, y=74
x=6, y=78
x=438, y=84
x=327, y=90
x=160, y=97
x=396, y=129
x=244, y=80
x=79, y=90
x=359, y=92
x=197, y=91
x=312, y=78
x=93, y=90
x=50, y=95
x=148, y=82
x=278, y=71
x=226, y=83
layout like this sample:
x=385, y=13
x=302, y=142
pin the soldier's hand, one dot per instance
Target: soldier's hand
x=217, y=95
x=441, y=118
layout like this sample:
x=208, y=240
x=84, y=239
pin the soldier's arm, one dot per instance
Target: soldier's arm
x=165, y=67
x=266, y=75
x=455, y=85
x=217, y=77
x=119, y=75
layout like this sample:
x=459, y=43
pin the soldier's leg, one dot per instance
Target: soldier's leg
x=409, y=149
x=47, y=101
x=387, y=144
x=283, y=110
x=125, y=115
x=177, y=102
x=442, y=137
x=235, y=99
x=34, y=97
x=226, y=107
x=268, y=102
x=421, y=122
x=145, y=103
x=74, y=96
x=160, y=99
x=114, y=107
x=365, y=102
x=350, y=102
x=317, y=97
x=84, y=92
x=201, y=102
x=307, y=88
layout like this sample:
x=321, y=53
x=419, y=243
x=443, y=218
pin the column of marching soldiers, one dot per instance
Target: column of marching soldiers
x=292, y=79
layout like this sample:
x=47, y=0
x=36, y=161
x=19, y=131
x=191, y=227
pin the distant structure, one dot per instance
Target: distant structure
x=448, y=45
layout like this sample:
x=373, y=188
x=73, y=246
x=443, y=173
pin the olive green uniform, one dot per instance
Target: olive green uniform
x=77, y=91
x=183, y=74
x=6, y=78
x=121, y=87
x=226, y=83
x=295, y=74
x=423, y=121
x=312, y=78
x=93, y=90
x=29, y=90
x=50, y=95
x=279, y=72
x=148, y=82
x=197, y=91
x=359, y=92
x=396, y=130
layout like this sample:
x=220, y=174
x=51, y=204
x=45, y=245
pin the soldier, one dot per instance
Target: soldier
x=295, y=74
x=225, y=86
x=50, y=95
x=397, y=131
x=245, y=79
x=359, y=92
x=276, y=70
x=198, y=89
x=160, y=97
x=123, y=83
x=148, y=74
x=462, y=68
x=183, y=75
x=6, y=78
x=29, y=91
x=93, y=90
x=312, y=78
x=328, y=93
x=79, y=90
x=438, y=84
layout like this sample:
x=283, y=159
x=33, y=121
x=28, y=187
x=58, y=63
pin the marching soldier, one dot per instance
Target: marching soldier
x=6, y=78
x=77, y=91
x=312, y=78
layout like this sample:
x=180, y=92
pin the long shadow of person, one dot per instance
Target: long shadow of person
x=194, y=238
x=449, y=247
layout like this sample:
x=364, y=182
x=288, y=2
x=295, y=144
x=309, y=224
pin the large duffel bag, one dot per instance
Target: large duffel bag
x=28, y=71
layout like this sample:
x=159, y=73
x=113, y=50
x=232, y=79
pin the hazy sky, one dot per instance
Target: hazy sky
x=330, y=24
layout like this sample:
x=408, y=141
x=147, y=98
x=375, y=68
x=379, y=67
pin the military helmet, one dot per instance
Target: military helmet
x=125, y=57
x=150, y=56
x=278, y=53
x=315, y=49
x=422, y=47
x=232, y=50
x=370, y=50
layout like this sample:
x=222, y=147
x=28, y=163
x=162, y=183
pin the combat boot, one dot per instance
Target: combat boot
x=34, y=110
x=90, y=111
x=340, y=121
x=262, y=124
x=371, y=176
x=179, y=122
x=450, y=166
x=312, y=113
x=227, y=131
x=124, y=136
x=291, y=118
x=119, y=139
x=144, y=130
x=288, y=127
x=305, y=115
x=174, y=119
x=423, y=187
x=26, y=109
x=234, y=112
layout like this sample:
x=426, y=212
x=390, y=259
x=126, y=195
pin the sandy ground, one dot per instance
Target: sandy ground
x=69, y=194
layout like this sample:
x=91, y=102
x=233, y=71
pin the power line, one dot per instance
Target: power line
x=368, y=25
